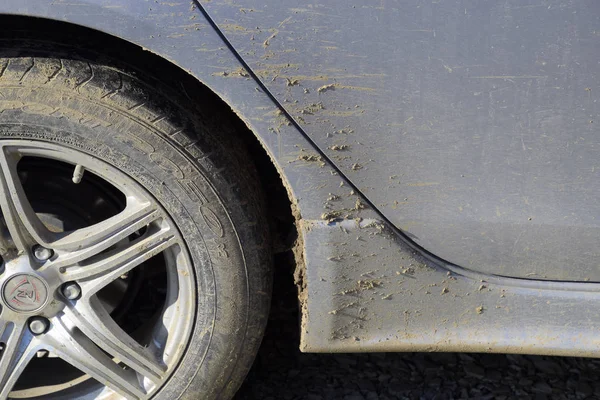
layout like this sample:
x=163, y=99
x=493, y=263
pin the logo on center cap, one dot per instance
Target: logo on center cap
x=25, y=293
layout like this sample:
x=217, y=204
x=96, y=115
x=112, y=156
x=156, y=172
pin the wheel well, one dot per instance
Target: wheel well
x=48, y=36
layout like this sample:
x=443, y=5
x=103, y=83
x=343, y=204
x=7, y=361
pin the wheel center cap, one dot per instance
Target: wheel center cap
x=24, y=293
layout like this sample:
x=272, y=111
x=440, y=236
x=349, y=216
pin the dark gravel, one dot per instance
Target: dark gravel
x=282, y=372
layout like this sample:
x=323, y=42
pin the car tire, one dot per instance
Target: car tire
x=194, y=169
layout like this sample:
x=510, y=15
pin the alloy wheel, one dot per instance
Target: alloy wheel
x=74, y=275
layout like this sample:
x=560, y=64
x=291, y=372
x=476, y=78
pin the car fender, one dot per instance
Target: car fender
x=363, y=286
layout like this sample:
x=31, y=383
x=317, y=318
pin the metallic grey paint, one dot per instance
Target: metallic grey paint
x=473, y=122
x=366, y=287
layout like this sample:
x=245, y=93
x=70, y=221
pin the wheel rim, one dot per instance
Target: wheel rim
x=53, y=283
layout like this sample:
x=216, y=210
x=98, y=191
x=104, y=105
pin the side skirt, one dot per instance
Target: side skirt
x=369, y=291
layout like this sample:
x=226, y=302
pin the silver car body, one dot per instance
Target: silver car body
x=441, y=157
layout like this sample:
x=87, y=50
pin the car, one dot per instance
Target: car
x=433, y=167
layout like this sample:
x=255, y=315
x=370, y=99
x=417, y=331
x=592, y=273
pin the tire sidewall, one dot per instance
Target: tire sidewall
x=202, y=202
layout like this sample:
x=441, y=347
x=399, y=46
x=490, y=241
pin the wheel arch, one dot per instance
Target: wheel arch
x=89, y=42
x=322, y=203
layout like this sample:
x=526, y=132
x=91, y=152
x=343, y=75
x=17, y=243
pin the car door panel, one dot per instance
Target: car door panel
x=470, y=125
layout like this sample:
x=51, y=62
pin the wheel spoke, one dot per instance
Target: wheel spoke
x=96, y=323
x=101, y=232
x=26, y=229
x=76, y=348
x=19, y=349
x=111, y=238
x=6, y=251
x=19, y=217
x=99, y=271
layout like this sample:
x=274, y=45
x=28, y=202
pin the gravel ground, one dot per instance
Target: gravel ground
x=282, y=372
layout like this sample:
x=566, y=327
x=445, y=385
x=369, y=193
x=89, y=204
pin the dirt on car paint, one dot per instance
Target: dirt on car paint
x=281, y=371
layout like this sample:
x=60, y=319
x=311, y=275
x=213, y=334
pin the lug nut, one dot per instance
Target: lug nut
x=38, y=325
x=42, y=353
x=42, y=253
x=71, y=291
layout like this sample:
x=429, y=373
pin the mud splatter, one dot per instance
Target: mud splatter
x=325, y=88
